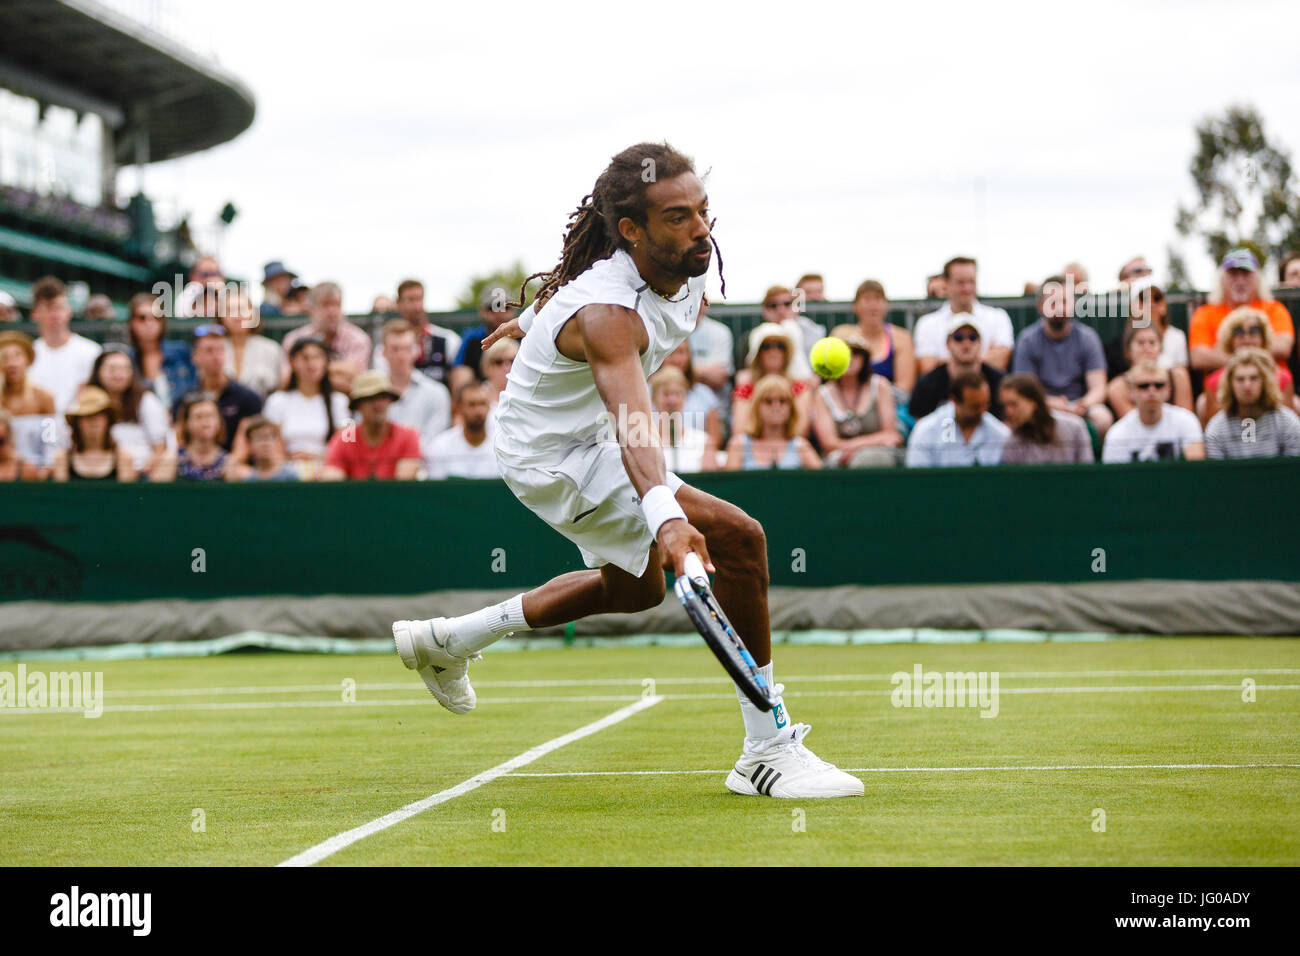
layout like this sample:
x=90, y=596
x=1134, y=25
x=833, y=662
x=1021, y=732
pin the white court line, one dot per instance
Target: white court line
x=606, y=698
x=335, y=843
x=1121, y=766
x=636, y=681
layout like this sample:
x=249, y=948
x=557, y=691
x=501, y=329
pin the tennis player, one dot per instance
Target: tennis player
x=575, y=444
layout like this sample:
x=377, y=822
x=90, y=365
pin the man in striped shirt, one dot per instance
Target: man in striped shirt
x=1252, y=421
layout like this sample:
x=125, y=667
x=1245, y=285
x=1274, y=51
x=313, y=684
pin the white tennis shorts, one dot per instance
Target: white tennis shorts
x=588, y=497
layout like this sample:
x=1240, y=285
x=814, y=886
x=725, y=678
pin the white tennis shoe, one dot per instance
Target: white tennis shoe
x=783, y=767
x=422, y=646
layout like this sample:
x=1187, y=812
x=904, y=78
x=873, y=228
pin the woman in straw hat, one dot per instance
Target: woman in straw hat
x=771, y=352
x=93, y=456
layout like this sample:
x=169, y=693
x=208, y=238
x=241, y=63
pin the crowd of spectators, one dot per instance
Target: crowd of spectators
x=328, y=403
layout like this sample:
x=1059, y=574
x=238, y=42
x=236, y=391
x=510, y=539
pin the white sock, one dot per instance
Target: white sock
x=763, y=725
x=471, y=633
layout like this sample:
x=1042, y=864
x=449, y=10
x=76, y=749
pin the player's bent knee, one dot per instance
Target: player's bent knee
x=742, y=546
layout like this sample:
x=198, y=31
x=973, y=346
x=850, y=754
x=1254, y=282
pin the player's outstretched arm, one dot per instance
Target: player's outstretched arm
x=611, y=338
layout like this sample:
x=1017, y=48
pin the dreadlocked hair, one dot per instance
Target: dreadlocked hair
x=619, y=193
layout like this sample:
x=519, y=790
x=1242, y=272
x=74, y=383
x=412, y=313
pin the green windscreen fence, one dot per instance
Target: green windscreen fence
x=1206, y=521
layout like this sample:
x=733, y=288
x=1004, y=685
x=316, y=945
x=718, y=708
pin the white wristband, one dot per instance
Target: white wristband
x=659, y=506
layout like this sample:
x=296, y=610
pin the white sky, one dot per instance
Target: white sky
x=444, y=140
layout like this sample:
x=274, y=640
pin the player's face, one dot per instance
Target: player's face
x=677, y=227
x=1291, y=279
x=1247, y=384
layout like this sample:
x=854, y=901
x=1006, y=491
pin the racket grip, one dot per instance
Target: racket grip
x=694, y=568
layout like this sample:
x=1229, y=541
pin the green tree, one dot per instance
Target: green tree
x=1244, y=190
x=511, y=277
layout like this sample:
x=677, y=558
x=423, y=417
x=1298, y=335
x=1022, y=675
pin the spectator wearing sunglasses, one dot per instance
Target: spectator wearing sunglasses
x=1245, y=327
x=771, y=439
x=1154, y=430
x=1133, y=270
x=235, y=402
x=771, y=352
x=963, y=349
x=164, y=366
x=1240, y=283
x=1065, y=356
x=1253, y=421
x=1142, y=344
x=779, y=309
x=494, y=366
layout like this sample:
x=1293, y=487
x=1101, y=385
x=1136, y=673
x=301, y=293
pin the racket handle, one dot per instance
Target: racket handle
x=694, y=568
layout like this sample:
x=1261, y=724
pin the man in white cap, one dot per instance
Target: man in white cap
x=964, y=348
x=8, y=308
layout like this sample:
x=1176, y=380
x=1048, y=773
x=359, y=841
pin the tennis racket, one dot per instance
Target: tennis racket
x=696, y=595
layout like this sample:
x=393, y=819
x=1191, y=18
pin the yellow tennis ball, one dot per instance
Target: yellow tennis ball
x=830, y=357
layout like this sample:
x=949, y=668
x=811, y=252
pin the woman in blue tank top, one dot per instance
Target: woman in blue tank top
x=772, y=439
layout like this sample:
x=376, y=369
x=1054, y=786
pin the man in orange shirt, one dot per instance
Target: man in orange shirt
x=1239, y=285
x=376, y=447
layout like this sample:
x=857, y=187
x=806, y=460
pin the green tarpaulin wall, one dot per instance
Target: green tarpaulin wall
x=1210, y=521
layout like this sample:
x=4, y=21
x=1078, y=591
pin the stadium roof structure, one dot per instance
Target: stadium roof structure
x=160, y=99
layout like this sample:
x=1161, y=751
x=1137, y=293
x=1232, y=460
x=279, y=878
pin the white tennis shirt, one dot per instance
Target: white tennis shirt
x=551, y=403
